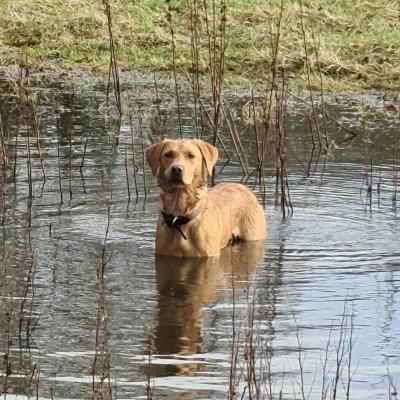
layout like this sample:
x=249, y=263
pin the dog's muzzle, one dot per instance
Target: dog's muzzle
x=175, y=174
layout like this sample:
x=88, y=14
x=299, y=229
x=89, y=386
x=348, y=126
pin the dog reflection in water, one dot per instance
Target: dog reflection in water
x=184, y=287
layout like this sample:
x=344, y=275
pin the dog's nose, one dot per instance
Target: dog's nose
x=176, y=170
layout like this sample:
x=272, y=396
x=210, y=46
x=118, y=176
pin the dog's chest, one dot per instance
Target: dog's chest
x=194, y=240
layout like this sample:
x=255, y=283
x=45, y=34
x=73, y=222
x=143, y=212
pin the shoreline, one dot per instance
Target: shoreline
x=353, y=46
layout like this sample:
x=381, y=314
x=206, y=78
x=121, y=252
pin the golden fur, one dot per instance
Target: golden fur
x=225, y=212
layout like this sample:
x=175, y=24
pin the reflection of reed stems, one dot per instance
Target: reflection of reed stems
x=83, y=156
x=234, y=347
x=395, y=177
x=258, y=373
x=127, y=177
x=308, y=168
x=103, y=253
x=37, y=382
x=365, y=173
x=38, y=140
x=270, y=383
x=392, y=387
x=29, y=173
x=6, y=356
x=3, y=198
x=134, y=166
x=340, y=352
x=379, y=185
x=28, y=285
x=370, y=182
x=70, y=165
x=160, y=128
x=300, y=360
x=395, y=180
x=253, y=384
x=16, y=151
x=102, y=358
x=4, y=165
x=59, y=171
x=149, y=388
x=350, y=345
x=369, y=148
x=143, y=156
x=310, y=129
x=324, y=386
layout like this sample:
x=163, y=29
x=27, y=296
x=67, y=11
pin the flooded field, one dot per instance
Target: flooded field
x=88, y=311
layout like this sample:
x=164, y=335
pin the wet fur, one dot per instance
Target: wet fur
x=229, y=211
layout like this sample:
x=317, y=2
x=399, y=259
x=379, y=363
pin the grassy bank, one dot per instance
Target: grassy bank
x=356, y=43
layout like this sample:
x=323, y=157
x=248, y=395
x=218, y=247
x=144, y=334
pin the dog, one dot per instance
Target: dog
x=197, y=221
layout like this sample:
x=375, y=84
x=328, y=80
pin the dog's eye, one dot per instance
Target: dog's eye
x=191, y=155
x=168, y=155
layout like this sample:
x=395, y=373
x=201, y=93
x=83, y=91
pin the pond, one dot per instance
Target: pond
x=88, y=311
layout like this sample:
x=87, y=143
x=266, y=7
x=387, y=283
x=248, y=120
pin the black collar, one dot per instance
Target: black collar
x=176, y=221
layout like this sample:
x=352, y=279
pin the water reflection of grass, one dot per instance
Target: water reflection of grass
x=358, y=41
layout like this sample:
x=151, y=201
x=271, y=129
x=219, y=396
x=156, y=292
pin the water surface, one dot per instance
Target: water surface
x=330, y=271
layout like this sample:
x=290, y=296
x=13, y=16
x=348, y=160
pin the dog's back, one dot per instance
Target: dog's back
x=239, y=209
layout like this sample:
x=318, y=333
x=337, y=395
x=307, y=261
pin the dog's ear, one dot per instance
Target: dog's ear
x=153, y=154
x=209, y=153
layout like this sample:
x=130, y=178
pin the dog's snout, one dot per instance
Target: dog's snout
x=176, y=170
x=175, y=174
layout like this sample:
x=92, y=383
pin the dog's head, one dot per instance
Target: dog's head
x=181, y=163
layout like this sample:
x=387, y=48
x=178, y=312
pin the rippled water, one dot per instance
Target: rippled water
x=329, y=276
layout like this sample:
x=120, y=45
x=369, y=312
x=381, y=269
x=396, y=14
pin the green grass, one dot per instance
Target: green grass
x=359, y=41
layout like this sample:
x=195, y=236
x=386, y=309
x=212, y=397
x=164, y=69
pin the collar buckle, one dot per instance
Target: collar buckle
x=176, y=221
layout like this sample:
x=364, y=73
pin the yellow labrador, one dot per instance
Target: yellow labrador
x=196, y=221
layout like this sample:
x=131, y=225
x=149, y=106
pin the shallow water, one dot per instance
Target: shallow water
x=333, y=267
